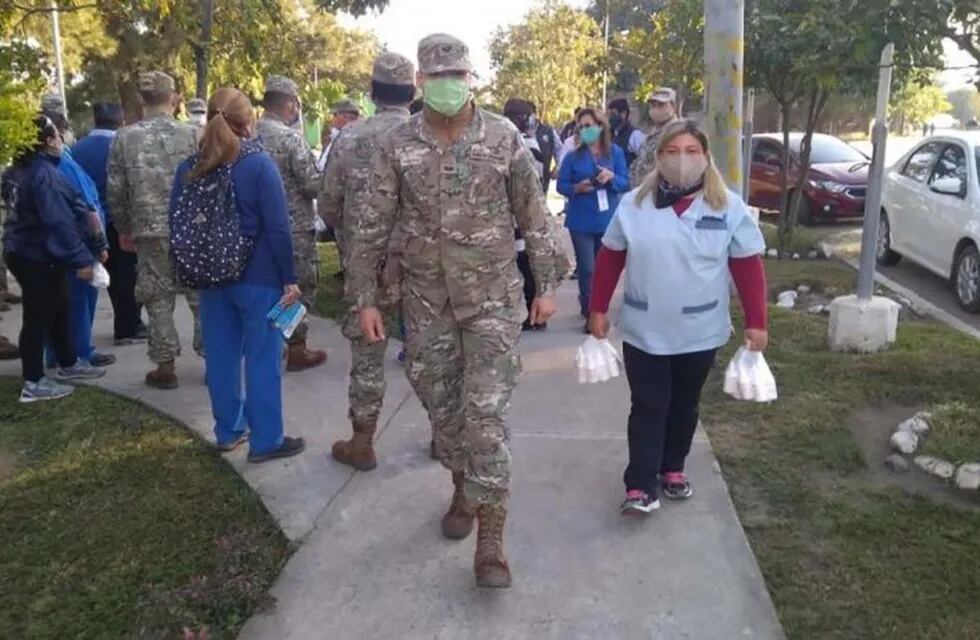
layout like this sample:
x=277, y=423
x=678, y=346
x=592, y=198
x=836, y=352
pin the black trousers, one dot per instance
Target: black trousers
x=122, y=288
x=665, y=392
x=530, y=288
x=46, y=308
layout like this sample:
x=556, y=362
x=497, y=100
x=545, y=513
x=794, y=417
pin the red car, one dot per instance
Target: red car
x=836, y=184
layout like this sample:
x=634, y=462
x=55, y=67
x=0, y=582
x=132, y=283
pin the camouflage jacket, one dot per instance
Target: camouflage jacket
x=142, y=163
x=297, y=166
x=346, y=180
x=646, y=159
x=454, y=211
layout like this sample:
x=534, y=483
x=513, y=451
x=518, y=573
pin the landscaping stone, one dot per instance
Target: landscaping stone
x=817, y=309
x=904, y=442
x=796, y=256
x=897, y=463
x=786, y=299
x=803, y=289
x=968, y=476
x=916, y=425
x=935, y=466
x=772, y=253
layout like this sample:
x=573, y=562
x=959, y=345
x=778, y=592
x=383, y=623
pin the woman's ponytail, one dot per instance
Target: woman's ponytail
x=230, y=116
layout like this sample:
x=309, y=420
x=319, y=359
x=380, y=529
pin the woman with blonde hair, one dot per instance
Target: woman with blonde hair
x=234, y=314
x=678, y=236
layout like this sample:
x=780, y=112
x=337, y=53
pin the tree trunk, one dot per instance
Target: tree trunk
x=202, y=49
x=818, y=100
x=784, y=123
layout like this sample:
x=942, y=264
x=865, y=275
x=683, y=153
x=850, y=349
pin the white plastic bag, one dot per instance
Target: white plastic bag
x=597, y=360
x=748, y=377
x=100, y=277
x=319, y=226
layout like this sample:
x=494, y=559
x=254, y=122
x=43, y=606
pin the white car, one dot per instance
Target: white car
x=930, y=212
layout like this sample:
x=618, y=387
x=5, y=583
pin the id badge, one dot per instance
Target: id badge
x=603, y=198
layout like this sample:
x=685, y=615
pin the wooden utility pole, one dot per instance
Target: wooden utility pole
x=724, y=44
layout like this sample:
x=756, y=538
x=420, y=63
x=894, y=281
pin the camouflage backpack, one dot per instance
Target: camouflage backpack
x=207, y=245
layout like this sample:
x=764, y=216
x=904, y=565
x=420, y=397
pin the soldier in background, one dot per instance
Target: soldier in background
x=301, y=180
x=197, y=112
x=450, y=183
x=142, y=163
x=663, y=111
x=54, y=108
x=346, y=190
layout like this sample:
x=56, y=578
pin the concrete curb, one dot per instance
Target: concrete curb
x=920, y=304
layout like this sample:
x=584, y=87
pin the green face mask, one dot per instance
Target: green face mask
x=447, y=95
x=589, y=135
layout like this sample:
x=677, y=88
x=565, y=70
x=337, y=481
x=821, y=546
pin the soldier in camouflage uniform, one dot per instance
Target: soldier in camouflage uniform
x=197, y=113
x=346, y=189
x=297, y=166
x=663, y=111
x=451, y=182
x=142, y=163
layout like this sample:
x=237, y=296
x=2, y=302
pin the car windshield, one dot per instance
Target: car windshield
x=828, y=150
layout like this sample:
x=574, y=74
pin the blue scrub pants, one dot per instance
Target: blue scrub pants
x=234, y=324
x=586, y=247
x=83, y=299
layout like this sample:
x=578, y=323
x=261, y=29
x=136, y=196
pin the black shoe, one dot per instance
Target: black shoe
x=527, y=326
x=539, y=327
x=289, y=448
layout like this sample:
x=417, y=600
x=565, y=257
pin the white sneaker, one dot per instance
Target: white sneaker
x=44, y=389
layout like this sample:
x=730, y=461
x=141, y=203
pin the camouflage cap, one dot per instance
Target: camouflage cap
x=52, y=103
x=664, y=95
x=345, y=106
x=156, y=81
x=391, y=68
x=283, y=85
x=442, y=52
x=196, y=105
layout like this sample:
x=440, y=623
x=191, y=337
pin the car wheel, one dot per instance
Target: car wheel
x=886, y=257
x=966, y=278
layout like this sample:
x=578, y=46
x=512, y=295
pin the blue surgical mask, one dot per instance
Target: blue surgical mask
x=590, y=134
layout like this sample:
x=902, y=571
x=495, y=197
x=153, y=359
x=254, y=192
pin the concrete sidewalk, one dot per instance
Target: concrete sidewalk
x=372, y=564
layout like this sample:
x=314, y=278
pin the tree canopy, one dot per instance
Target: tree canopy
x=553, y=57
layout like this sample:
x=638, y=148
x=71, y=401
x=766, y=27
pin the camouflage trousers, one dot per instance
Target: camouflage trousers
x=465, y=371
x=306, y=262
x=341, y=240
x=366, y=390
x=156, y=289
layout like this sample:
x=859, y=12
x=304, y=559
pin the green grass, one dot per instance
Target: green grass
x=802, y=241
x=845, y=557
x=330, y=290
x=955, y=433
x=118, y=523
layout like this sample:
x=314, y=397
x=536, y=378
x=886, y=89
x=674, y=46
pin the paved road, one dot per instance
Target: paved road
x=932, y=288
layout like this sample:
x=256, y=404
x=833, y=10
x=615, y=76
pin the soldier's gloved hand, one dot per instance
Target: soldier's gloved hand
x=542, y=308
x=290, y=294
x=372, y=324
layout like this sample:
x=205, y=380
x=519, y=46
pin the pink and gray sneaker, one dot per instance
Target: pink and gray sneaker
x=639, y=503
x=675, y=486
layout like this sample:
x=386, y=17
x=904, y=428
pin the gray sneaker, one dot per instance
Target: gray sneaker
x=44, y=389
x=81, y=370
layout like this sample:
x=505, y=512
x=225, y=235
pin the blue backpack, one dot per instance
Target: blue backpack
x=207, y=246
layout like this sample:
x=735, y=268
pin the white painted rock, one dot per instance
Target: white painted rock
x=935, y=467
x=772, y=253
x=817, y=309
x=916, y=424
x=803, y=289
x=968, y=476
x=786, y=299
x=904, y=442
x=796, y=256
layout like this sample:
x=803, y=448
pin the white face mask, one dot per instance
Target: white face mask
x=683, y=170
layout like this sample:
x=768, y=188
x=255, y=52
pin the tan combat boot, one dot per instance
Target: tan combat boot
x=490, y=563
x=357, y=452
x=164, y=377
x=299, y=358
x=458, y=521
